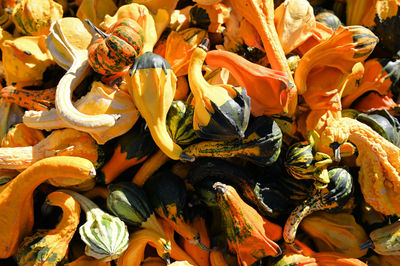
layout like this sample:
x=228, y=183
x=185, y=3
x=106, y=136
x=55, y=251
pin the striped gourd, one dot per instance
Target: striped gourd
x=106, y=236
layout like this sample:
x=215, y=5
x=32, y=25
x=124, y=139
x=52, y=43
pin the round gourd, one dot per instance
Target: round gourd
x=300, y=161
x=180, y=123
x=116, y=51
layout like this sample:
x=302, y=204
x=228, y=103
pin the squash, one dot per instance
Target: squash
x=34, y=17
x=328, y=18
x=106, y=236
x=115, y=51
x=261, y=144
x=180, y=123
x=152, y=85
x=258, y=81
x=95, y=10
x=187, y=40
x=21, y=135
x=138, y=240
x=16, y=197
x=131, y=148
x=332, y=198
x=130, y=203
x=59, y=143
x=248, y=234
x=337, y=232
x=221, y=111
x=38, y=100
x=51, y=245
x=168, y=196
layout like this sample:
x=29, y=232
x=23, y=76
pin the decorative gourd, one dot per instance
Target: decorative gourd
x=99, y=101
x=11, y=115
x=258, y=82
x=115, y=51
x=377, y=158
x=221, y=111
x=261, y=144
x=88, y=261
x=180, y=123
x=248, y=234
x=153, y=261
x=138, y=240
x=338, y=232
x=383, y=240
x=332, y=198
x=374, y=101
x=209, y=17
x=16, y=197
x=329, y=19
x=95, y=10
x=303, y=163
x=217, y=258
x=51, y=246
x=106, y=236
x=25, y=59
x=131, y=149
x=152, y=85
x=167, y=194
x=130, y=203
x=187, y=40
x=61, y=142
x=21, y=135
x=34, y=17
x=38, y=100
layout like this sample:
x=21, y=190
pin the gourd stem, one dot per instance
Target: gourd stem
x=86, y=204
x=368, y=244
x=99, y=31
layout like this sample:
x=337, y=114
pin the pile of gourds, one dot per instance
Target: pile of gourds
x=206, y=132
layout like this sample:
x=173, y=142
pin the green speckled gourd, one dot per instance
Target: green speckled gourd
x=332, y=199
x=106, y=236
x=385, y=240
x=180, y=123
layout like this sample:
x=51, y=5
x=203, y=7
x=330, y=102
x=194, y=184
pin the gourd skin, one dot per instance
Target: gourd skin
x=16, y=197
x=385, y=239
x=49, y=247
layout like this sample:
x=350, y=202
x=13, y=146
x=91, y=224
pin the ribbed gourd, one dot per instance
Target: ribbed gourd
x=106, y=236
x=152, y=85
x=221, y=112
x=180, y=123
x=51, y=246
x=332, y=198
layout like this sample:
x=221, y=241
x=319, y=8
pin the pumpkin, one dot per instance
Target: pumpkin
x=116, y=51
x=152, y=78
x=180, y=123
x=221, y=111
x=258, y=81
x=332, y=198
x=261, y=144
x=248, y=234
x=106, y=236
x=51, y=245
x=131, y=148
x=16, y=197
x=34, y=17
x=20, y=135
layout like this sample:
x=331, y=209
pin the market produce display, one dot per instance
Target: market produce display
x=202, y=133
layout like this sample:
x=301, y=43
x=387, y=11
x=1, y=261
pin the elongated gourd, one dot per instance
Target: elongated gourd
x=16, y=197
x=149, y=167
x=152, y=85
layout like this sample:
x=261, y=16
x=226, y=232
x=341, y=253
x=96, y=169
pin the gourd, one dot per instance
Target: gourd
x=130, y=203
x=16, y=197
x=338, y=232
x=21, y=135
x=60, y=142
x=167, y=194
x=34, y=17
x=209, y=17
x=106, y=236
x=187, y=40
x=38, y=100
x=130, y=149
x=152, y=85
x=374, y=101
x=138, y=240
x=328, y=18
x=180, y=123
x=258, y=82
x=332, y=198
x=115, y=51
x=217, y=258
x=95, y=10
x=88, y=261
x=11, y=115
x=51, y=246
x=248, y=234
x=261, y=144
x=383, y=240
x=221, y=112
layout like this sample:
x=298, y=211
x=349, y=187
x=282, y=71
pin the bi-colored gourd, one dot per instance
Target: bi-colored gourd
x=39, y=100
x=383, y=240
x=51, y=246
x=221, y=112
x=16, y=197
x=180, y=123
x=106, y=236
x=152, y=85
